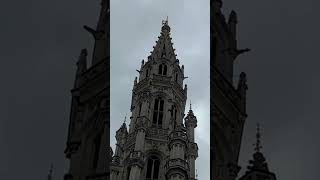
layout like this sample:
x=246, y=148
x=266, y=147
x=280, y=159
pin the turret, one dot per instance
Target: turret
x=258, y=168
x=177, y=168
x=192, y=153
x=191, y=124
x=121, y=137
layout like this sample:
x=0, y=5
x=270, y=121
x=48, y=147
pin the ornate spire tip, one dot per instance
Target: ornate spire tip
x=258, y=141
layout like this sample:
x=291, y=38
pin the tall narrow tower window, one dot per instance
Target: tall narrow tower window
x=160, y=69
x=128, y=174
x=164, y=69
x=97, y=150
x=176, y=78
x=153, y=168
x=140, y=106
x=147, y=73
x=158, y=112
x=174, y=112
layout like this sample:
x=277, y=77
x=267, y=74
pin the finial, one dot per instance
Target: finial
x=125, y=119
x=50, y=172
x=190, y=105
x=258, y=142
x=165, y=22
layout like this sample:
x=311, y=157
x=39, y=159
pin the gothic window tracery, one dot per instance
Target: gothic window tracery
x=162, y=69
x=158, y=112
x=153, y=168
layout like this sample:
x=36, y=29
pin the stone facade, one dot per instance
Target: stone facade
x=228, y=102
x=158, y=144
x=88, y=134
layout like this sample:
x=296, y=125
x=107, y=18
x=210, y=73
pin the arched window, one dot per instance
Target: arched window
x=158, y=112
x=97, y=143
x=140, y=106
x=147, y=73
x=128, y=174
x=174, y=112
x=153, y=168
x=162, y=69
x=176, y=78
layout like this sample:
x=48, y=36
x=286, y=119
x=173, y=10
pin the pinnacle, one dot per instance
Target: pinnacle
x=259, y=161
x=163, y=48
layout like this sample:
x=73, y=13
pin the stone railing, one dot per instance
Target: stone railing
x=157, y=133
x=137, y=155
x=162, y=78
x=193, y=149
x=136, y=158
x=178, y=135
x=177, y=163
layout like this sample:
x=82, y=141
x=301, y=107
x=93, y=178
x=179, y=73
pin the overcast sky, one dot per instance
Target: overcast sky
x=283, y=79
x=135, y=26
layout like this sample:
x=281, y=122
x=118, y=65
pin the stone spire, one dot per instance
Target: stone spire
x=258, y=168
x=100, y=45
x=259, y=161
x=163, y=47
x=258, y=142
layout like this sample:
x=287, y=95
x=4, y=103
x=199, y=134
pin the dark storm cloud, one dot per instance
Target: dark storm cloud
x=283, y=79
x=40, y=44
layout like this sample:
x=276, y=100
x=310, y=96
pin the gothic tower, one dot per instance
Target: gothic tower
x=158, y=145
x=258, y=170
x=88, y=134
x=228, y=101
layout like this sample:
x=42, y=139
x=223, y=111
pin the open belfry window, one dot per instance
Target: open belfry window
x=162, y=69
x=153, y=168
x=128, y=174
x=158, y=112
